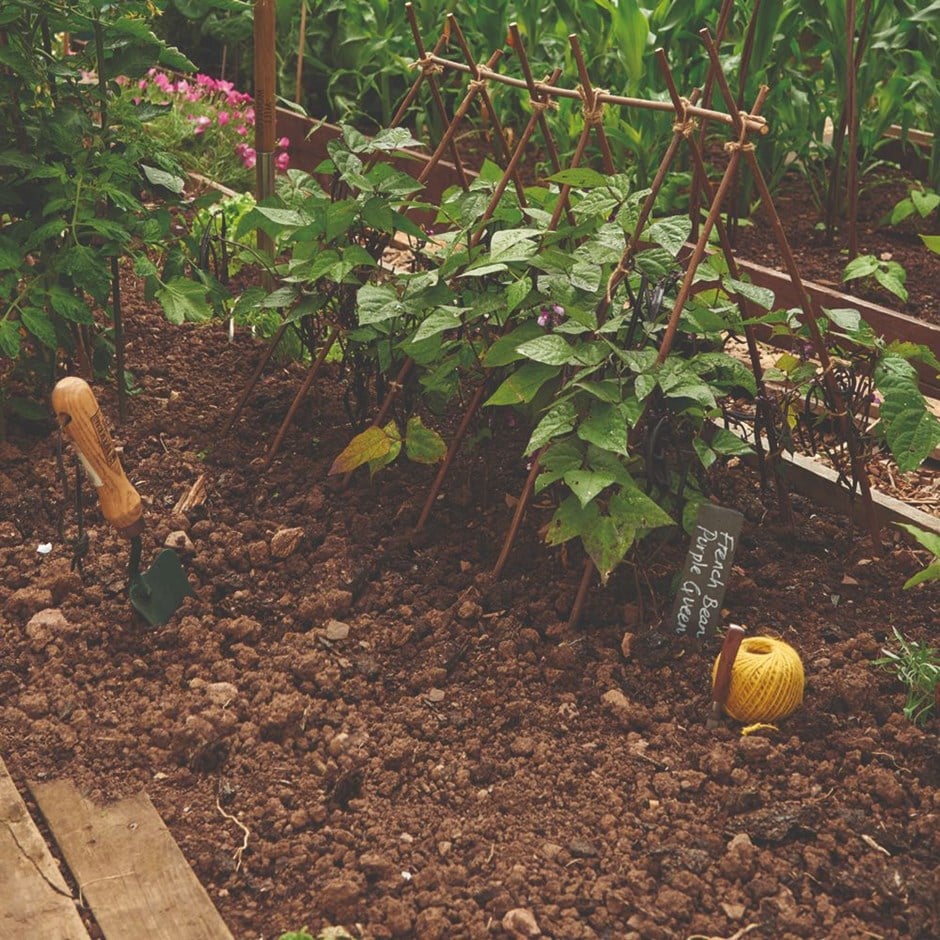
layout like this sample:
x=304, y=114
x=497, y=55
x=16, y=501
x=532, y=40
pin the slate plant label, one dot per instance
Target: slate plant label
x=706, y=572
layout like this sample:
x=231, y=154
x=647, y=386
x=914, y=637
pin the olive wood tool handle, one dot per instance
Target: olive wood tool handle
x=80, y=418
x=722, y=683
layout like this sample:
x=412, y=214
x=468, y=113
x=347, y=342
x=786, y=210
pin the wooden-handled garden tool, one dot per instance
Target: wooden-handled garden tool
x=157, y=592
x=722, y=683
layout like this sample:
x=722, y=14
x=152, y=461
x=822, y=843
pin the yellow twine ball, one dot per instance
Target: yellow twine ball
x=766, y=680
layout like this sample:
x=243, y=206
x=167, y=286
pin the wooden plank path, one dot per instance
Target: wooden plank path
x=34, y=898
x=129, y=870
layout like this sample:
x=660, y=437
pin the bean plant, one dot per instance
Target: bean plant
x=620, y=432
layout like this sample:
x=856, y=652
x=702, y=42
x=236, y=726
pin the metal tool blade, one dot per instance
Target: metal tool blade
x=157, y=592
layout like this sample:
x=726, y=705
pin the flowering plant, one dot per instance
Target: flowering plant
x=208, y=123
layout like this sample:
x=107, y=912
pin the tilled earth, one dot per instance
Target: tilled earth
x=416, y=750
x=823, y=260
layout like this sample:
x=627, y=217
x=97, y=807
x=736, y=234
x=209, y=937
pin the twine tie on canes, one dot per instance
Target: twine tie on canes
x=540, y=107
x=427, y=65
x=592, y=108
x=684, y=124
x=742, y=143
x=766, y=681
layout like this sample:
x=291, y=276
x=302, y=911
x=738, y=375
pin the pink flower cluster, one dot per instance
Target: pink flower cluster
x=216, y=103
x=281, y=157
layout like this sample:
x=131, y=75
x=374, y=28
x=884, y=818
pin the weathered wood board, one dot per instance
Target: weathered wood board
x=34, y=898
x=128, y=867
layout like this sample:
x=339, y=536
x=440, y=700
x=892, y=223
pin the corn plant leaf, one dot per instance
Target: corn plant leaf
x=630, y=29
x=372, y=444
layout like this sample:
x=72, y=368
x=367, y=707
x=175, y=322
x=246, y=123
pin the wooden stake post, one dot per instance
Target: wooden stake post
x=265, y=117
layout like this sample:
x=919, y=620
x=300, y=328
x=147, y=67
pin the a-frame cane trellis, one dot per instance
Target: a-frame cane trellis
x=688, y=115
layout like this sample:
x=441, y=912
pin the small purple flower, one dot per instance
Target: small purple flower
x=550, y=317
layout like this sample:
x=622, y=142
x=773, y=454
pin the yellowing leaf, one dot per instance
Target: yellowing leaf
x=371, y=444
x=423, y=445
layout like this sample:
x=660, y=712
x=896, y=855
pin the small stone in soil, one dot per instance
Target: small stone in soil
x=337, y=630
x=180, y=541
x=520, y=922
x=284, y=542
x=45, y=625
x=581, y=848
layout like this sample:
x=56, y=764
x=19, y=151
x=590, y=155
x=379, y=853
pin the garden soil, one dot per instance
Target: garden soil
x=353, y=724
x=823, y=259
